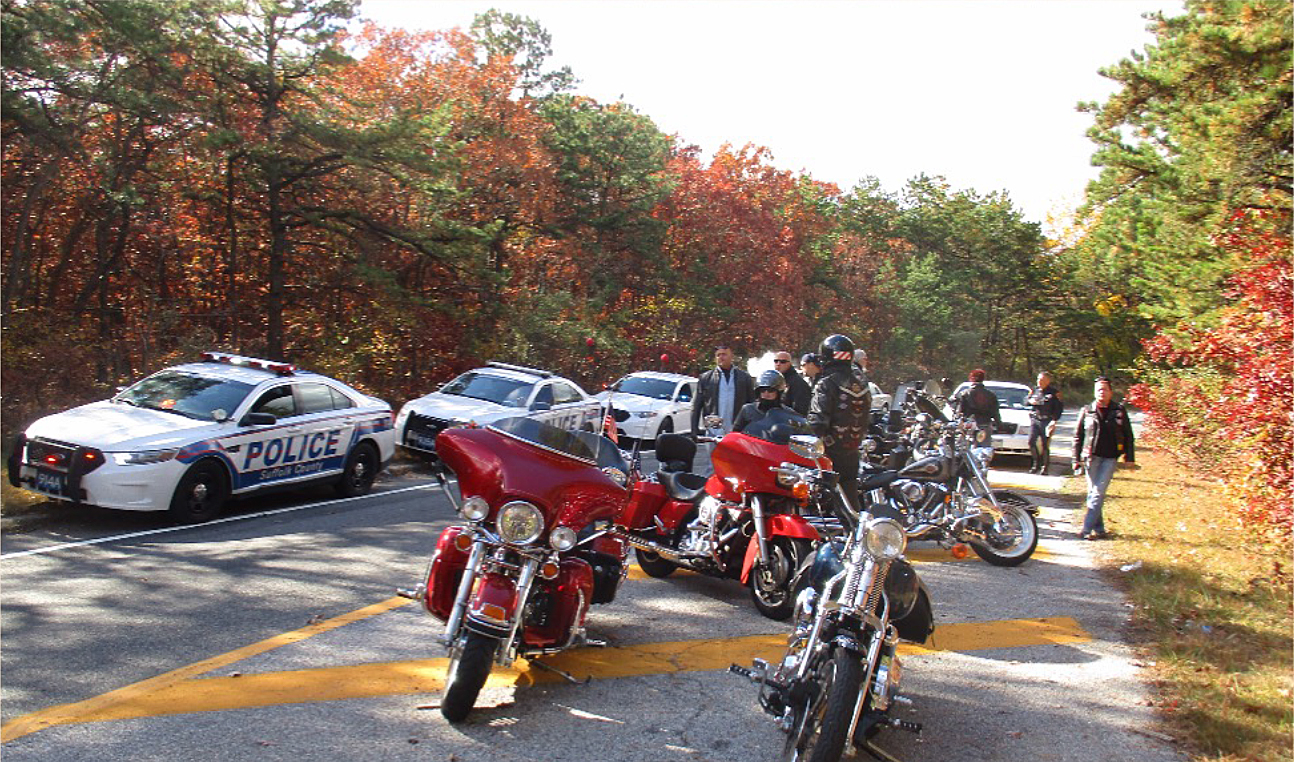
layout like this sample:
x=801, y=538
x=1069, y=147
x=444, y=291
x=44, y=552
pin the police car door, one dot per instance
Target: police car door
x=569, y=408
x=327, y=429
x=256, y=451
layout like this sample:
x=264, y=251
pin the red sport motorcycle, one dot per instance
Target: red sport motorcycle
x=516, y=579
x=771, y=498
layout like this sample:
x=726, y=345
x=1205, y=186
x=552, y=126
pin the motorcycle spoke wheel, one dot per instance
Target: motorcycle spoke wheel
x=1011, y=540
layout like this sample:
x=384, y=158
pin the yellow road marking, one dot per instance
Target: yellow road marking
x=59, y=715
x=940, y=555
x=158, y=697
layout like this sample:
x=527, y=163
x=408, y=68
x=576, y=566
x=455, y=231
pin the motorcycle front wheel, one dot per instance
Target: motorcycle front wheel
x=773, y=584
x=467, y=674
x=821, y=734
x=1011, y=540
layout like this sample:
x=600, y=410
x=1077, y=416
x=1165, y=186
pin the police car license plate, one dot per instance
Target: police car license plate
x=50, y=482
x=415, y=439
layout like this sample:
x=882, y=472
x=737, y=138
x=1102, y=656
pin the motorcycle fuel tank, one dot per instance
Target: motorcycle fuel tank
x=935, y=468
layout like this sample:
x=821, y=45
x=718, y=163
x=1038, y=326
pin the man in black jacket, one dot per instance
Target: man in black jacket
x=841, y=409
x=1046, y=408
x=978, y=402
x=722, y=391
x=1103, y=435
x=797, y=389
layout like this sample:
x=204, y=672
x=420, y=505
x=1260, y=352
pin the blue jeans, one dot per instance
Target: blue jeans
x=1099, y=472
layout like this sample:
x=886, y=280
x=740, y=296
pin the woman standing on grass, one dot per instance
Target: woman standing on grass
x=1103, y=433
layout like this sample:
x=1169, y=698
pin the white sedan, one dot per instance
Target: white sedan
x=648, y=404
x=482, y=396
x=189, y=437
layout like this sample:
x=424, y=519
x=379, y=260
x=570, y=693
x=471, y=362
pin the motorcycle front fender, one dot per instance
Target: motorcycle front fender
x=493, y=606
x=777, y=525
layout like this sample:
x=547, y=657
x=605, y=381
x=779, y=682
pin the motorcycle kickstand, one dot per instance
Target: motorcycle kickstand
x=877, y=751
x=562, y=673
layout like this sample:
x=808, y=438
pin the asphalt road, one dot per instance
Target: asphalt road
x=224, y=641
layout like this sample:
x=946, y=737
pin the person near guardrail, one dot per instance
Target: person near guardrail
x=1103, y=435
x=1045, y=411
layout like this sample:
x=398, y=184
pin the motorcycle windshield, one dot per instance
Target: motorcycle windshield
x=778, y=426
x=581, y=445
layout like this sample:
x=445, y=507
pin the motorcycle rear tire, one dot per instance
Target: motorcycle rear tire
x=1029, y=527
x=467, y=675
x=829, y=729
x=653, y=565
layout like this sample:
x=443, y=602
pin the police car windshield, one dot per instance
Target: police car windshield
x=491, y=388
x=192, y=396
x=656, y=388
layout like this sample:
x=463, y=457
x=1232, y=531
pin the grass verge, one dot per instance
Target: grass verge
x=1212, y=620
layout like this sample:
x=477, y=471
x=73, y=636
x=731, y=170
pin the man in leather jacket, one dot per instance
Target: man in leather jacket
x=1046, y=409
x=797, y=389
x=977, y=401
x=722, y=391
x=841, y=409
x=1102, y=435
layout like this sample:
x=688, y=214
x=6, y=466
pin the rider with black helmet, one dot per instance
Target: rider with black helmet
x=769, y=389
x=841, y=409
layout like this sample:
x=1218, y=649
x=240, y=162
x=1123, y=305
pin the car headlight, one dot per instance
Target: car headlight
x=562, y=538
x=143, y=457
x=645, y=414
x=475, y=508
x=519, y=523
x=885, y=539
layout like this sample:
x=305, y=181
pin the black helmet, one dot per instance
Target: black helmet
x=837, y=346
x=771, y=379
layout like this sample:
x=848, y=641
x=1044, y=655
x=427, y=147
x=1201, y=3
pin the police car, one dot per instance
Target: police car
x=648, y=404
x=497, y=391
x=187, y=438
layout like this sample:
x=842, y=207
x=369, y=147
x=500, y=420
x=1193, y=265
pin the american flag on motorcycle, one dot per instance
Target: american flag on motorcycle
x=609, y=427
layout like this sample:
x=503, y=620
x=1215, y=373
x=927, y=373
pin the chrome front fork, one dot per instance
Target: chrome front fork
x=464, y=591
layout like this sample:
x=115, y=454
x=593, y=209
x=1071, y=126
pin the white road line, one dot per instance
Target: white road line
x=164, y=530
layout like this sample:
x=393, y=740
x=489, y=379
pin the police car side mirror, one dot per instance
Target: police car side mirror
x=258, y=419
x=538, y=406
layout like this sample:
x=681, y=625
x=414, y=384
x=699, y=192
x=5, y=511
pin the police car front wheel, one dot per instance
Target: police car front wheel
x=200, y=495
x=361, y=469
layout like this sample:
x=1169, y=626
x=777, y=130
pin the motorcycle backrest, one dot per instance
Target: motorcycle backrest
x=675, y=452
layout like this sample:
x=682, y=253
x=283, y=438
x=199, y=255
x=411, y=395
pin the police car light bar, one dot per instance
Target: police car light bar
x=281, y=368
x=521, y=368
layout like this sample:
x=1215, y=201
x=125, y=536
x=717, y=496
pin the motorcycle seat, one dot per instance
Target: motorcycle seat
x=681, y=485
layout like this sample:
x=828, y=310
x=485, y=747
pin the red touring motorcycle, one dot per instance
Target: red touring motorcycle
x=757, y=519
x=517, y=579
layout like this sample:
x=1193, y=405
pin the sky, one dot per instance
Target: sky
x=982, y=92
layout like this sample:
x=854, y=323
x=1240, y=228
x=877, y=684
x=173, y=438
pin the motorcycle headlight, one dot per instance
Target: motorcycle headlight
x=562, y=538
x=143, y=457
x=475, y=508
x=885, y=539
x=520, y=523
x=869, y=445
